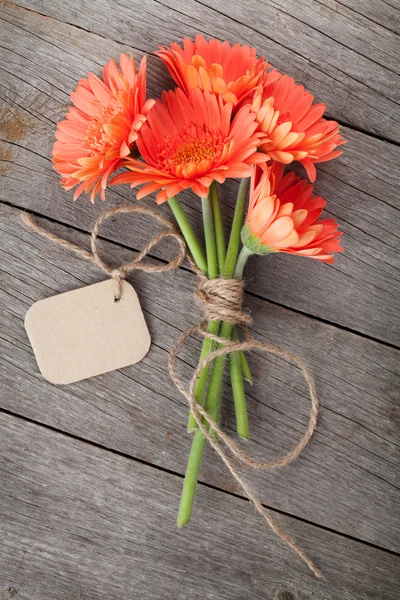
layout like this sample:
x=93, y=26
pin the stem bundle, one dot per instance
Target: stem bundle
x=216, y=262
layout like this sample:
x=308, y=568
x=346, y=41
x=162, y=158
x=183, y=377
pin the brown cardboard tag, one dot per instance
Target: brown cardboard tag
x=85, y=332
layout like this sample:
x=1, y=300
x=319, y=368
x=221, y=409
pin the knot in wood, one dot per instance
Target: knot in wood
x=221, y=300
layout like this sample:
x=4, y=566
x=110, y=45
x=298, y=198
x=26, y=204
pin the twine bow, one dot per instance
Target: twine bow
x=221, y=300
x=137, y=263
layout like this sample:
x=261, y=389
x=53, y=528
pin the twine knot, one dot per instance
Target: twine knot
x=221, y=300
x=117, y=273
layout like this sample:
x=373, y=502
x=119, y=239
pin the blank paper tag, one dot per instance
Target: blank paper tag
x=83, y=333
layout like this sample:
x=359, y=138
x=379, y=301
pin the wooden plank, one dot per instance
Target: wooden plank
x=378, y=13
x=79, y=522
x=364, y=280
x=365, y=276
x=363, y=195
x=353, y=68
x=349, y=29
x=139, y=412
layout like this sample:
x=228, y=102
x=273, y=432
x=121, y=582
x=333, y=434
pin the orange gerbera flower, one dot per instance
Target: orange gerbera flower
x=283, y=216
x=294, y=125
x=232, y=72
x=188, y=141
x=99, y=130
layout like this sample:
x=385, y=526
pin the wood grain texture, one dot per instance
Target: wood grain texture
x=378, y=14
x=81, y=523
x=87, y=521
x=138, y=410
x=352, y=67
x=362, y=194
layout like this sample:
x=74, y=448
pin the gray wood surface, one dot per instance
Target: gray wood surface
x=352, y=67
x=81, y=523
x=364, y=200
x=139, y=411
x=91, y=473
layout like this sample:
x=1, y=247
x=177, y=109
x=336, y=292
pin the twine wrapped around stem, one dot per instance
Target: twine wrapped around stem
x=221, y=308
x=221, y=300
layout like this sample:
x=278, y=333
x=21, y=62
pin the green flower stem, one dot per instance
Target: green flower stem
x=234, y=240
x=239, y=371
x=211, y=247
x=244, y=365
x=213, y=326
x=241, y=261
x=239, y=397
x=218, y=226
x=201, y=383
x=214, y=392
x=189, y=235
x=197, y=450
x=201, y=262
x=247, y=376
x=215, y=385
x=191, y=476
x=233, y=250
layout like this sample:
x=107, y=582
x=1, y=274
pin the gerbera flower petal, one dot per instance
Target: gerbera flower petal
x=276, y=225
x=102, y=93
x=294, y=127
x=310, y=169
x=231, y=72
x=277, y=231
x=99, y=131
x=188, y=141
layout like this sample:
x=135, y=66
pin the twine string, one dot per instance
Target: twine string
x=220, y=312
x=221, y=300
x=232, y=346
x=119, y=273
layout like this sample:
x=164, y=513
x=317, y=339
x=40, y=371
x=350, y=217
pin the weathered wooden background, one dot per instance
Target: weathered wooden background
x=91, y=473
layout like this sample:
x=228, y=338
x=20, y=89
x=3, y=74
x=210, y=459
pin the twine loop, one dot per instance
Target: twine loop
x=120, y=273
x=206, y=424
x=221, y=300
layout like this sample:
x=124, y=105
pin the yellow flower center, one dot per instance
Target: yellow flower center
x=193, y=152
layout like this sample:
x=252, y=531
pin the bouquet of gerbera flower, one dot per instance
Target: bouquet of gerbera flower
x=231, y=116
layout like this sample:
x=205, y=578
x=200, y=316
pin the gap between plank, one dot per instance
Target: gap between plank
x=206, y=485
x=187, y=269
x=342, y=123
